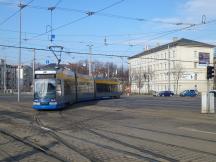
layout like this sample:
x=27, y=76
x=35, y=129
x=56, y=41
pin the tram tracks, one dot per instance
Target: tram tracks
x=90, y=154
x=4, y=154
x=59, y=136
x=146, y=139
x=38, y=129
x=168, y=133
x=27, y=143
x=156, y=154
x=54, y=135
x=159, y=156
x=144, y=154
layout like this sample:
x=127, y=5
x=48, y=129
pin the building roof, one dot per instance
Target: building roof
x=180, y=42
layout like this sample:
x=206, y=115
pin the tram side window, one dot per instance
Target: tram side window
x=103, y=88
x=114, y=88
x=58, y=88
x=68, y=89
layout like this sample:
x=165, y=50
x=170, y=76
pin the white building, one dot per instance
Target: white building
x=175, y=66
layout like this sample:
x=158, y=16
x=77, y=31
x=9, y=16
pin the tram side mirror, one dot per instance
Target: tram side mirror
x=58, y=88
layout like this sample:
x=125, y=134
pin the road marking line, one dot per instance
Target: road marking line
x=196, y=130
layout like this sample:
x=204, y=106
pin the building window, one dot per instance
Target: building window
x=195, y=76
x=195, y=55
x=173, y=54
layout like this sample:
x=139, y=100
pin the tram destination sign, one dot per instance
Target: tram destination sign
x=45, y=76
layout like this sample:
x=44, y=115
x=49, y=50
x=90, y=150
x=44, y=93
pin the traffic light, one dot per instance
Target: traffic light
x=210, y=72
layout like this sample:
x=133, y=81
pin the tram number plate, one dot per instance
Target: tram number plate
x=44, y=103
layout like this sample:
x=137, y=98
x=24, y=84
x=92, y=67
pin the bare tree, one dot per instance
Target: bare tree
x=79, y=67
x=138, y=78
x=148, y=76
x=177, y=73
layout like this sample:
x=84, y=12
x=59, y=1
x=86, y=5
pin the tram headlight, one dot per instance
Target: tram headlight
x=36, y=103
x=53, y=103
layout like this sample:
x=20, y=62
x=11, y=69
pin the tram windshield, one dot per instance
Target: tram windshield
x=45, y=88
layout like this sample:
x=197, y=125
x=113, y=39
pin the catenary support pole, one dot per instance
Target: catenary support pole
x=33, y=70
x=4, y=73
x=21, y=6
x=90, y=59
x=20, y=51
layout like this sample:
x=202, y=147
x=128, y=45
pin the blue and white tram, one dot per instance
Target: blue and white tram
x=106, y=88
x=55, y=88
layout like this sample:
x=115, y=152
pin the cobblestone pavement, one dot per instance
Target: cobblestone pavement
x=16, y=149
x=128, y=129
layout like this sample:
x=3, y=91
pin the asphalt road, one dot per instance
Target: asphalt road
x=174, y=102
x=13, y=98
x=135, y=128
x=142, y=102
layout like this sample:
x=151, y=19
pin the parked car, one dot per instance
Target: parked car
x=155, y=93
x=189, y=92
x=213, y=91
x=166, y=93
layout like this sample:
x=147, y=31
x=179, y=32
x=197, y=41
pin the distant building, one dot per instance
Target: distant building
x=175, y=66
x=7, y=76
x=26, y=77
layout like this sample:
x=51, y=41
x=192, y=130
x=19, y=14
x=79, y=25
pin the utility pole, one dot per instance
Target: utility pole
x=90, y=59
x=21, y=6
x=5, y=69
x=168, y=68
x=122, y=74
x=33, y=70
x=108, y=70
x=122, y=70
x=51, y=24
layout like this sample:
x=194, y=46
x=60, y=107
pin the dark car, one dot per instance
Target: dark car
x=213, y=91
x=189, y=92
x=166, y=93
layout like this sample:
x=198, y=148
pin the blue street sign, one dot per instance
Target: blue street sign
x=52, y=37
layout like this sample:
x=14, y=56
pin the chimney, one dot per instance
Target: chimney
x=175, y=39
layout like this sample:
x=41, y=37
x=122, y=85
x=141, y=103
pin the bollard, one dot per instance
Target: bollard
x=211, y=103
x=204, y=108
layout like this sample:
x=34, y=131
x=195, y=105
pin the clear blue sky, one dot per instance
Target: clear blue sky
x=128, y=26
